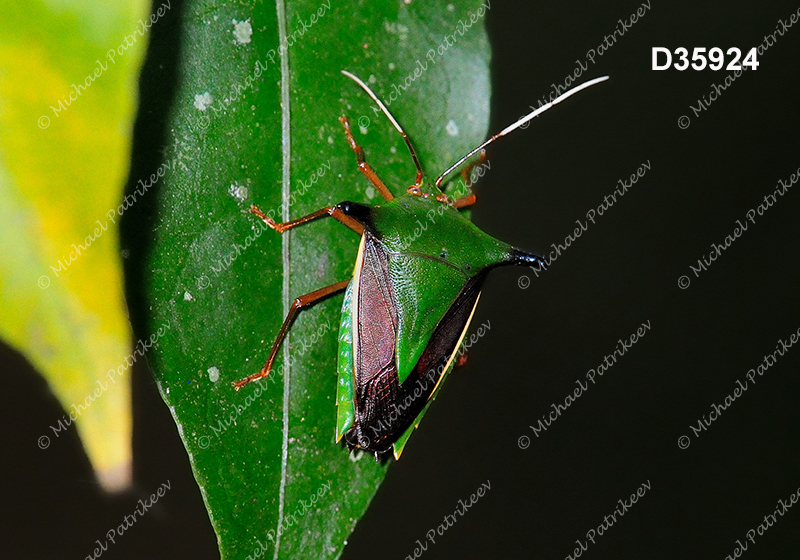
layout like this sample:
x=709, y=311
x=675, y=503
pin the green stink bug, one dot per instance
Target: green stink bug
x=410, y=300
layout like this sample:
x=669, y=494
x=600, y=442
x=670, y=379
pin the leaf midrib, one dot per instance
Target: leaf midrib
x=286, y=151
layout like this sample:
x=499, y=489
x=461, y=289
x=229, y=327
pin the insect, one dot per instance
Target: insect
x=410, y=300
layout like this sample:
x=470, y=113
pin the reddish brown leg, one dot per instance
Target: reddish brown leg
x=363, y=166
x=297, y=305
x=464, y=201
x=469, y=199
x=471, y=166
x=331, y=211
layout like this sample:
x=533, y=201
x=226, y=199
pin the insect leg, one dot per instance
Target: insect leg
x=363, y=166
x=298, y=304
x=470, y=166
x=332, y=211
x=396, y=124
x=469, y=199
x=464, y=201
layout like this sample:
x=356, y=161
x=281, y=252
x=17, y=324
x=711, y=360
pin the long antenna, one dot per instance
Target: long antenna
x=518, y=124
x=386, y=112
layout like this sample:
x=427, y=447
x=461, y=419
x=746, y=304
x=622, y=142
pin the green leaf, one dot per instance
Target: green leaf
x=66, y=114
x=255, y=121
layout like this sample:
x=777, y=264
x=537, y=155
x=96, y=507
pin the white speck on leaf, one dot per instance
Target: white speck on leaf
x=452, y=128
x=202, y=101
x=322, y=269
x=238, y=192
x=213, y=374
x=187, y=296
x=370, y=192
x=242, y=31
x=356, y=455
x=396, y=29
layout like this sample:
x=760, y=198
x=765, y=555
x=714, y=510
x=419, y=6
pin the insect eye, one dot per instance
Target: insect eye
x=467, y=267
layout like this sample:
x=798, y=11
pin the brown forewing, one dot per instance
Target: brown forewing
x=384, y=407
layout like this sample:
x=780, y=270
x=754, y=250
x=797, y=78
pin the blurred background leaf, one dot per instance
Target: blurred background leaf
x=255, y=121
x=66, y=113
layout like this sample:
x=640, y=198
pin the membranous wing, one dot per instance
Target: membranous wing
x=409, y=315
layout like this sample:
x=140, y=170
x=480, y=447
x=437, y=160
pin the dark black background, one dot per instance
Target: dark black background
x=622, y=271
